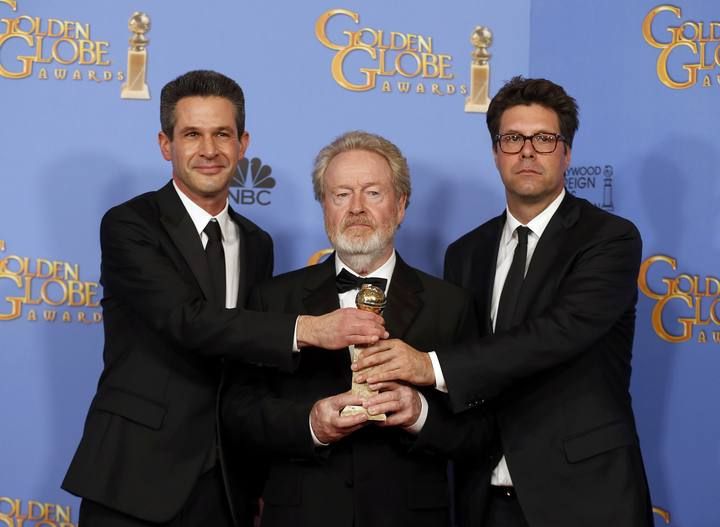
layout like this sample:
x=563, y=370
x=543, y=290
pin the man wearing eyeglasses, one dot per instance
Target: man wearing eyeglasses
x=554, y=279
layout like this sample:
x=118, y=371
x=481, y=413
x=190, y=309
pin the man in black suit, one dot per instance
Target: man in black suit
x=330, y=470
x=554, y=279
x=176, y=267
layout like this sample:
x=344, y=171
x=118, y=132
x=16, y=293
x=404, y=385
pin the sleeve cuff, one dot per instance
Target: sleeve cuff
x=417, y=426
x=316, y=441
x=439, y=378
x=295, y=347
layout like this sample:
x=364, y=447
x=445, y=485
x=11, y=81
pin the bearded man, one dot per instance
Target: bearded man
x=326, y=469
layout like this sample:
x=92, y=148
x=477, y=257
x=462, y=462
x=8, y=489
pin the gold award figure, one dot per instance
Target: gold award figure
x=135, y=86
x=11, y=3
x=369, y=298
x=479, y=99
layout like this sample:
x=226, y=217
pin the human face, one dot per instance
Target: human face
x=532, y=181
x=362, y=210
x=204, y=150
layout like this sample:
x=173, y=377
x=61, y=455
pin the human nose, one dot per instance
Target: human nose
x=528, y=150
x=357, y=202
x=208, y=147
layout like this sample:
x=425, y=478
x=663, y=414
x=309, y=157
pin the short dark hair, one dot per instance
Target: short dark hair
x=520, y=90
x=200, y=83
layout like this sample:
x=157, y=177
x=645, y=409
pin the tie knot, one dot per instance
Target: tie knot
x=346, y=281
x=522, y=233
x=212, y=230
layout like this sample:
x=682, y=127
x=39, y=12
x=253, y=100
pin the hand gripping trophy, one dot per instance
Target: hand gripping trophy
x=369, y=298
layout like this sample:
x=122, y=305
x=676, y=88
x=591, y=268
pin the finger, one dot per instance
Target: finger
x=368, y=317
x=398, y=419
x=389, y=407
x=380, y=398
x=381, y=374
x=345, y=399
x=383, y=388
x=388, y=386
x=349, y=422
x=368, y=359
x=371, y=373
x=356, y=339
x=383, y=345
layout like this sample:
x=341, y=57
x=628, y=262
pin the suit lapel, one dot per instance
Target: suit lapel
x=320, y=297
x=320, y=294
x=182, y=232
x=403, y=299
x=546, y=253
x=246, y=245
x=483, y=274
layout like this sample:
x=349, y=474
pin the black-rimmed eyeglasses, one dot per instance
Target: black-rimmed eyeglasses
x=542, y=143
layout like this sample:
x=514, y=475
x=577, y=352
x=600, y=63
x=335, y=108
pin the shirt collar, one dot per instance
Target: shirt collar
x=536, y=225
x=200, y=217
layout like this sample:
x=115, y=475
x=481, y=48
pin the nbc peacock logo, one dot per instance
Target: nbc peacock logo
x=252, y=183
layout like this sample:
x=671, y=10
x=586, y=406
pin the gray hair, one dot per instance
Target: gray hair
x=359, y=140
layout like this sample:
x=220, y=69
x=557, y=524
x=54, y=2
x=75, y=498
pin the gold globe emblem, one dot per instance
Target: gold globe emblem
x=139, y=24
x=371, y=298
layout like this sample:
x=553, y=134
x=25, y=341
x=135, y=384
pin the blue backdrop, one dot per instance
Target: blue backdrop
x=645, y=74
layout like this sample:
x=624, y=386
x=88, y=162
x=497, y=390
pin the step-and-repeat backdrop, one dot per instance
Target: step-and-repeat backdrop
x=80, y=83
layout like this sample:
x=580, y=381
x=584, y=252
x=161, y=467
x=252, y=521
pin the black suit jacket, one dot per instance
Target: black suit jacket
x=558, y=381
x=376, y=476
x=152, y=423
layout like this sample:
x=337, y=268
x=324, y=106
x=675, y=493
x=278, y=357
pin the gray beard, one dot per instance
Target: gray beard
x=360, y=254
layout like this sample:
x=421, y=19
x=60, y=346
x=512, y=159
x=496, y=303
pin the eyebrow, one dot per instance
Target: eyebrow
x=191, y=128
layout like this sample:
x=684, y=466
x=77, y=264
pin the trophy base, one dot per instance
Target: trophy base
x=473, y=107
x=129, y=93
x=357, y=410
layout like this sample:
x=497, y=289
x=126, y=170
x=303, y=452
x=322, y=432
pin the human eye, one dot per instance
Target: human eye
x=511, y=139
x=544, y=139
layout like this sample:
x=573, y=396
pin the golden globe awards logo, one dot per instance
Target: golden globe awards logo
x=663, y=514
x=16, y=513
x=592, y=182
x=686, y=306
x=690, y=50
x=318, y=256
x=43, y=289
x=45, y=48
x=397, y=61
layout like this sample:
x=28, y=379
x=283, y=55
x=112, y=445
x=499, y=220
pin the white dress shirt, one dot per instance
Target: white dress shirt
x=230, y=242
x=506, y=251
x=347, y=299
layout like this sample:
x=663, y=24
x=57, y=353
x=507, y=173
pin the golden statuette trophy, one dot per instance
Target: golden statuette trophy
x=369, y=298
x=135, y=86
x=479, y=98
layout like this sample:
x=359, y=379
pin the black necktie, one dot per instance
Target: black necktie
x=346, y=281
x=513, y=283
x=216, y=260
